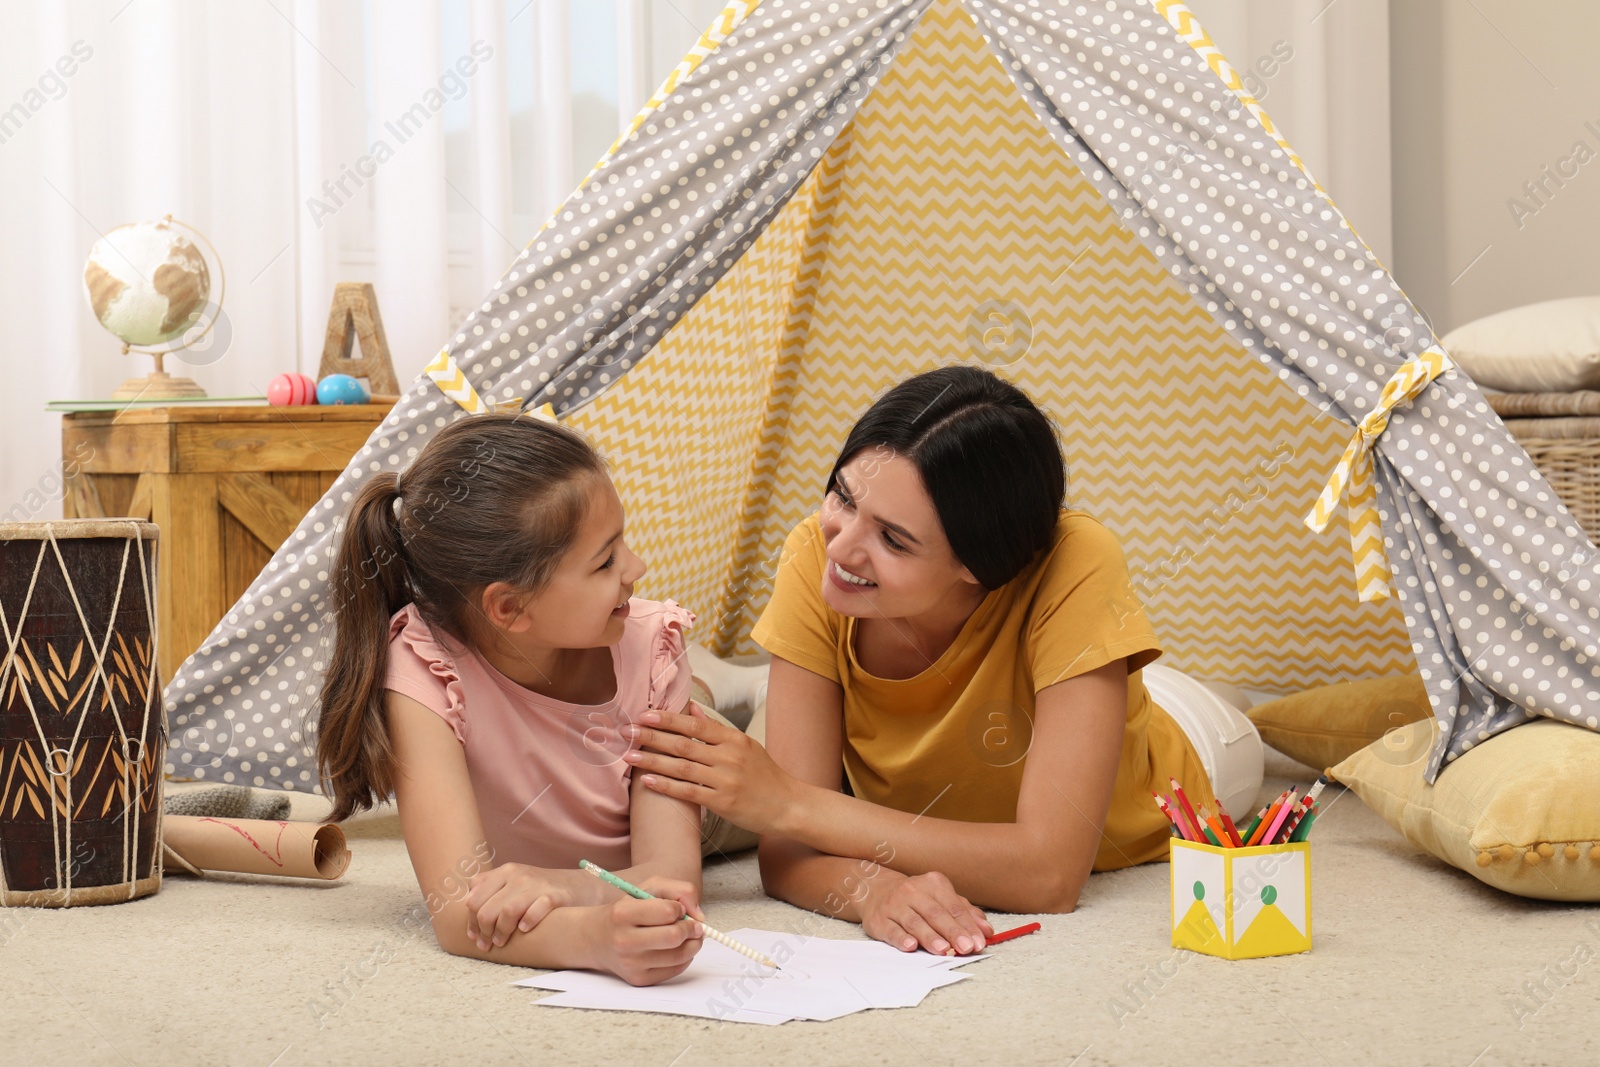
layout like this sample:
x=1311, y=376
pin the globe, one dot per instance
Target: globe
x=149, y=285
x=146, y=282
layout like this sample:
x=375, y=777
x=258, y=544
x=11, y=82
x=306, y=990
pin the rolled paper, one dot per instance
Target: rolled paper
x=256, y=846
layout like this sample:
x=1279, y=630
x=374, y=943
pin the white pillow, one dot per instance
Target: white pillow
x=1551, y=347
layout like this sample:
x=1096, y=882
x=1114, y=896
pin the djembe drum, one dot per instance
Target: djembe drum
x=82, y=731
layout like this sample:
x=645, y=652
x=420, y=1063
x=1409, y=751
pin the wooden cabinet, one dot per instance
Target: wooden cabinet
x=226, y=485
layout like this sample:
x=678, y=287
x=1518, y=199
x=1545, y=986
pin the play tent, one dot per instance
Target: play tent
x=830, y=195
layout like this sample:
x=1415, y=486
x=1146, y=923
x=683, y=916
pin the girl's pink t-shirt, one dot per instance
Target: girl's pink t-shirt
x=548, y=776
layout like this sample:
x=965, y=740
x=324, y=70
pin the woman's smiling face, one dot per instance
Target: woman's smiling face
x=887, y=552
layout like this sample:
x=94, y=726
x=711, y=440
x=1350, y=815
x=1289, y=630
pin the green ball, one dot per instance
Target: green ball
x=1268, y=895
x=1199, y=891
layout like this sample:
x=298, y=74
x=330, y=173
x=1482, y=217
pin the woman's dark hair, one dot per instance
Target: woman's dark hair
x=988, y=457
x=492, y=498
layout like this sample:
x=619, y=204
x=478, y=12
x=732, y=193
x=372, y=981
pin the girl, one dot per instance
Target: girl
x=488, y=650
x=971, y=655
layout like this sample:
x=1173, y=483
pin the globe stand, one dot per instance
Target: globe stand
x=157, y=385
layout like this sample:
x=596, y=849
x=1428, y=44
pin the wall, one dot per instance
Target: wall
x=1487, y=95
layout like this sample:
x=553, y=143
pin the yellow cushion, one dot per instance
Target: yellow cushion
x=1517, y=812
x=1322, y=726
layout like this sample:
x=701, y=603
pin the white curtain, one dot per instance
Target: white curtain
x=415, y=144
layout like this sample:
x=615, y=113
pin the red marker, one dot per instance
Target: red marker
x=1009, y=934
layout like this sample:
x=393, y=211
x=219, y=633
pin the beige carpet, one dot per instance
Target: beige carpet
x=1414, y=963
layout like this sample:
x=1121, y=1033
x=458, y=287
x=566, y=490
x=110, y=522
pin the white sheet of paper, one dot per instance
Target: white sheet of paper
x=611, y=1000
x=818, y=978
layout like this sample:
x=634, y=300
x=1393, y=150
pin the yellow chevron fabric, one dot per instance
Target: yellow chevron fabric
x=1354, y=470
x=944, y=225
x=453, y=383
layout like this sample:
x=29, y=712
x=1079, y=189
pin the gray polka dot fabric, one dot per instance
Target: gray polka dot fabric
x=1497, y=581
x=1500, y=588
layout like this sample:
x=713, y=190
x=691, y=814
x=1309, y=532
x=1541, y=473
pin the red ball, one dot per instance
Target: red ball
x=291, y=390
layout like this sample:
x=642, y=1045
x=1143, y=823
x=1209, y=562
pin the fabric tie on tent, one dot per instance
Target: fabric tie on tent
x=1354, y=470
x=452, y=381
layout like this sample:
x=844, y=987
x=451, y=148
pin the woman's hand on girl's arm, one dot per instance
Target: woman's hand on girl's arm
x=700, y=761
x=642, y=941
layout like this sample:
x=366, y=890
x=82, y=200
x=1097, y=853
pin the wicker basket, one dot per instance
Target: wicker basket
x=1561, y=434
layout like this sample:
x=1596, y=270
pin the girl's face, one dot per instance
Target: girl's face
x=887, y=553
x=585, y=604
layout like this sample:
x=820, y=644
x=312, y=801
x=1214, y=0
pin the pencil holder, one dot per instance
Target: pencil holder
x=1241, y=903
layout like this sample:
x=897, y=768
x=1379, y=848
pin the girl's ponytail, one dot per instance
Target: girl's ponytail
x=369, y=583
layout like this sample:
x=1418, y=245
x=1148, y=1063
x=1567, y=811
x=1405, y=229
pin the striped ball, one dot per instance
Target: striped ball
x=291, y=390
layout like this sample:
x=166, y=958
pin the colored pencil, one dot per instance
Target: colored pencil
x=634, y=891
x=1303, y=831
x=1271, y=836
x=1266, y=819
x=1261, y=827
x=1288, y=819
x=1305, y=805
x=1177, y=791
x=1166, y=809
x=1189, y=830
x=1227, y=824
x=1009, y=934
x=1296, y=813
x=1216, y=826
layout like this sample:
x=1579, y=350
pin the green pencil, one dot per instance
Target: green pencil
x=634, y=891
x=1244, y=835
x=1303, y=831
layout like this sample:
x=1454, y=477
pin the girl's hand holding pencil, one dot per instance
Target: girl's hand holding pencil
x=644, y=941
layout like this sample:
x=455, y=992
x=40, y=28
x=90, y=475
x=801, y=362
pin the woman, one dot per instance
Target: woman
x=972, y=654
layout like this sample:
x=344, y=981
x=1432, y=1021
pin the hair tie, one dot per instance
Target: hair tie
x=396, y=497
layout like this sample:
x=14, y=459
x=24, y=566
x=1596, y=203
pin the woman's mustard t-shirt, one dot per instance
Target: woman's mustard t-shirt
x=953, y=740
